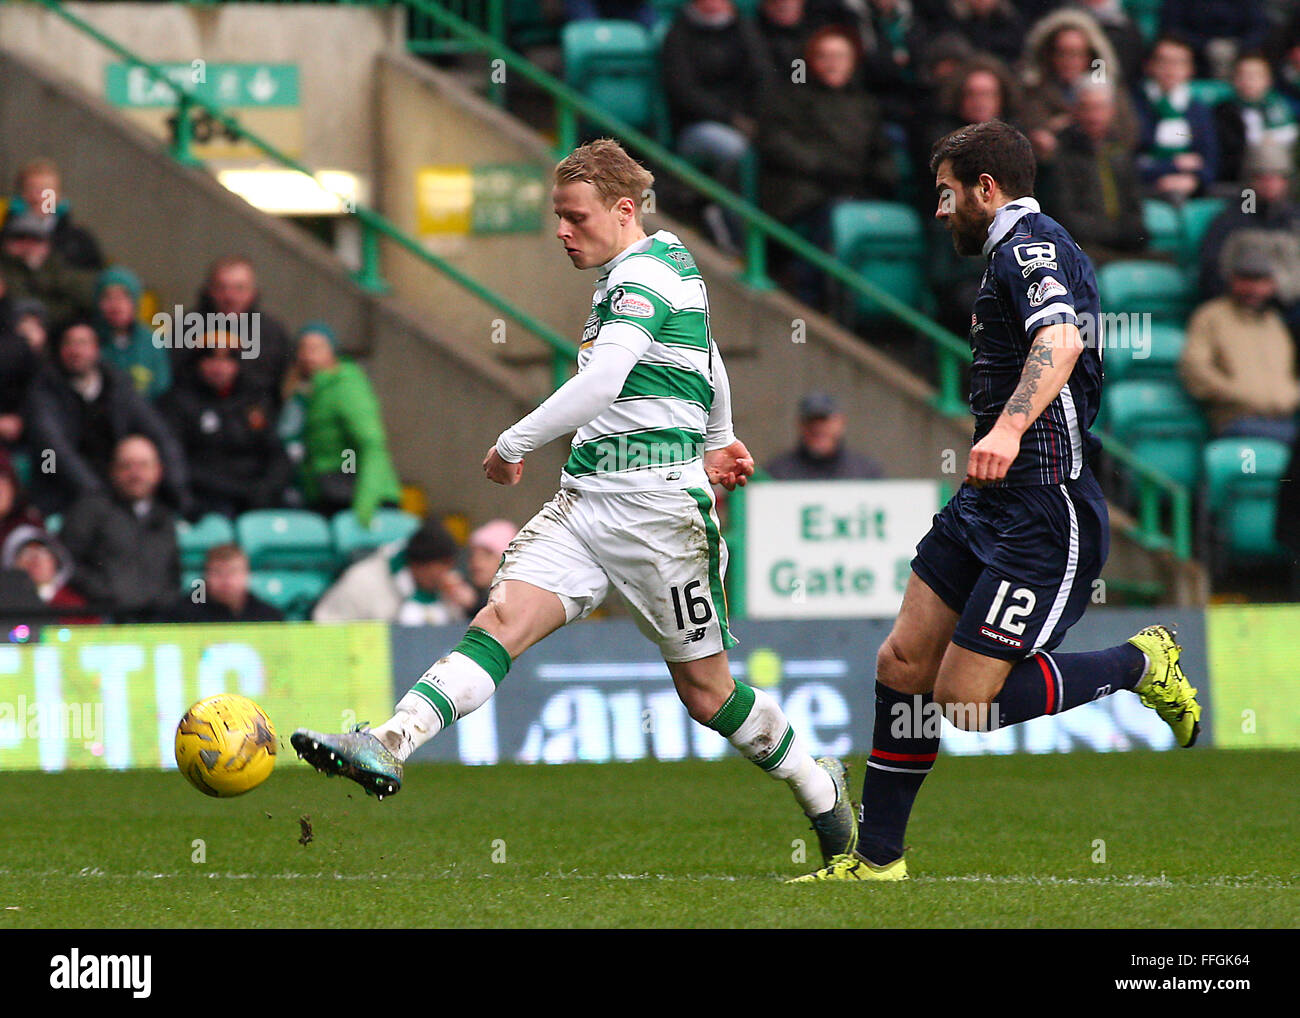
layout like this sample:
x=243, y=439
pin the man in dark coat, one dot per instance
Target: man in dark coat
x=124, y=540
x=80, y=409
x=226, y=426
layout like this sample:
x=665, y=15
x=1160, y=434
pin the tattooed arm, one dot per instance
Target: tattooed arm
x=1047, y=368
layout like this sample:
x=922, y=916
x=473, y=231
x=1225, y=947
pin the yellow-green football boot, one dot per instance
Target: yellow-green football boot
x=1164, y=688
x=852, y=866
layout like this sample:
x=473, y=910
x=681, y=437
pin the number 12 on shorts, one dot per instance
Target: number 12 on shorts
x=1021, y=604
x=698, y=609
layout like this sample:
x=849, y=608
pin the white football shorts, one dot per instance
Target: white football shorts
x=662, y=551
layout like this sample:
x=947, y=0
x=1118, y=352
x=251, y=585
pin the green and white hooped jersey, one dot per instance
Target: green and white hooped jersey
x=652, y=436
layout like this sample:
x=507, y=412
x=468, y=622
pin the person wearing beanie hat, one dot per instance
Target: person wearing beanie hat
x=412, y=582
x=50, y=567
x=125, y=341
x=344, y=446
x=486, y=546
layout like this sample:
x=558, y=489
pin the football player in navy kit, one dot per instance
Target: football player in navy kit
x=1009, y=563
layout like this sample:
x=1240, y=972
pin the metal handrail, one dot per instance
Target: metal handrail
x=571, y=108
x=373, y=224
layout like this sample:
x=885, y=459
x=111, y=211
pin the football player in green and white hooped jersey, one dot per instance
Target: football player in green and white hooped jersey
x=651, y=409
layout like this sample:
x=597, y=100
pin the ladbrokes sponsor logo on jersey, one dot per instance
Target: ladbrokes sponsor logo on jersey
x=1039, y=254
x=1002, y=638
x=75, y=971
x=631, y=304
x=1044, y=290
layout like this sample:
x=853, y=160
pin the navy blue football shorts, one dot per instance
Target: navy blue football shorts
x=1018, y=564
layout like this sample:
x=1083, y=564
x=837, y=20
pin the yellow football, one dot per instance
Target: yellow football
x=225, y=745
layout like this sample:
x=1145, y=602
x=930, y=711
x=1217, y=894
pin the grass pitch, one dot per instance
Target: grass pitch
x=1201, y=838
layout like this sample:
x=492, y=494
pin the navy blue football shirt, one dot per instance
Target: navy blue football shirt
x=1036, y=276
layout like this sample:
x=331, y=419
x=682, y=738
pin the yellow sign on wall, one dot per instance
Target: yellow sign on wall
x=110, y=696
x=1252, y=655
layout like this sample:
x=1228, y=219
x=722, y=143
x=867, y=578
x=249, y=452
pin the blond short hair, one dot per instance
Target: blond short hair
x=607, y=167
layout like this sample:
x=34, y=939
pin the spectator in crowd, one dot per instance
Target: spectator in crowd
x=226, y=426
x=1094, y=182
x=19, y=366
x=231, y=289
x=821, y=454
x=123, y=541
x=1283, y=49
x=413, y=583
x=822, y=142
x=1064, y=51
x=486, y=546
x=1255, y=113
x=1124, y=36
x=125, y=341
x=224, y=595
x=1239, y=357
x=50, y=567
x=31, y=322
x=38, y=193
x=345, y=449
x=15, y=510
x=984, y=89
x=715, y=68
x=898, y=38
x=31, y=267
x=1179, y=151
x=80, y=409
x=1263, y=213
x=641, y=11
x=784, y=28
x=1215, y=30
x=990, y=26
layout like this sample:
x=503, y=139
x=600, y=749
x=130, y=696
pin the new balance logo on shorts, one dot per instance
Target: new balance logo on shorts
x=694, y=636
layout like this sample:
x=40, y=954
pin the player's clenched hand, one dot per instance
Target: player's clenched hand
x=991, y=457
x=729, y=466
x=499, y=471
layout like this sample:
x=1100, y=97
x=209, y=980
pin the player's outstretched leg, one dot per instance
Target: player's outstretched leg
x=453, y=686
x=753, y=722
x=1148, y=665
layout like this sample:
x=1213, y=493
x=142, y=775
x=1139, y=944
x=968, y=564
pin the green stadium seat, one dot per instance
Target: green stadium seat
x=885, y=242
x=294, y=593
x=1159, y=423
x=1163, y=225
x=1198, y=213
x=1210, y=91
x=54, y=523
x=351, y=539
x=1137, y=287
x=1162, y=342
x=196, y=538
x=615, y=64
x=1241, y=480
x=286, y=539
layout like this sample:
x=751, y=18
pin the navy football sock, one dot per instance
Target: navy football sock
x=904, y=745
x=1050, y=683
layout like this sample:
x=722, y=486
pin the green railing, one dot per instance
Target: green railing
x=373, y=225
x=572, y=108
x=1153, y=487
